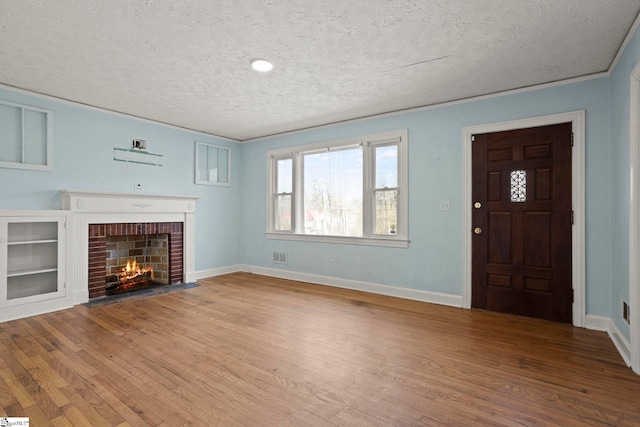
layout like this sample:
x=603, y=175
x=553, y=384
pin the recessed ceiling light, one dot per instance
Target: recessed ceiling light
x=261, y=65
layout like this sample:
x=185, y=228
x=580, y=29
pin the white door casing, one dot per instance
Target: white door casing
x=577, y=119
x=634, y=220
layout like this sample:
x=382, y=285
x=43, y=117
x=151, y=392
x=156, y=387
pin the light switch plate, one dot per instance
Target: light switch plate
x=445, y=205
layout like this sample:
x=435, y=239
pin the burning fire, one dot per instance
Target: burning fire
x=133, y=270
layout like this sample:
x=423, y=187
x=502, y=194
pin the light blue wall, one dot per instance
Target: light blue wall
x=83, y=160
x=230, y=221
x=434, y=259
x=620, y=178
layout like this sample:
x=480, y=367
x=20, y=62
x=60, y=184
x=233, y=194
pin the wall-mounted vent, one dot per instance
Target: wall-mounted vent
x=626, y=315
x=280, y=258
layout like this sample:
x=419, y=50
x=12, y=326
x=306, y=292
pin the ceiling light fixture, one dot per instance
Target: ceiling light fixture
x=261, y=65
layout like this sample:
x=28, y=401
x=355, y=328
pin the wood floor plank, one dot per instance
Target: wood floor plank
x=14, y=387
x=61, y=421
x=248, y=350
x=130, y=416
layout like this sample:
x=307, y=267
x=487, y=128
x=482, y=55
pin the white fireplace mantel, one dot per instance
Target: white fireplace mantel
x=93, y=201
x=91, y=207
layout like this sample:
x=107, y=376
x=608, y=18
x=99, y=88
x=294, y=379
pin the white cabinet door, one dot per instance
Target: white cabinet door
x=32, y=250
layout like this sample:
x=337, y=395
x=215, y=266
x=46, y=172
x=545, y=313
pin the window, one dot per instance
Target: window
x=284, y=194
x=25, y=137
x=213, y=164
x=349, y=191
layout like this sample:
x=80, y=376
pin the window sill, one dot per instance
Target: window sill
x=26, y=166
x=362, y=241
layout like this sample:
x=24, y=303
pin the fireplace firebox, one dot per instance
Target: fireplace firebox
x=136, y=261
x=125, y=257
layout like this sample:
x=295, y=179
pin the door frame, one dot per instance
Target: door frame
x=577, y=119
x=634, y=219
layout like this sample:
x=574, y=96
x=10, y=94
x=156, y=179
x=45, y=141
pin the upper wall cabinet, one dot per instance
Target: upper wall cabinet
x=26, y=140
x=213, y=164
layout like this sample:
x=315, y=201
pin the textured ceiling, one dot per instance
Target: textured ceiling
x=186, y=63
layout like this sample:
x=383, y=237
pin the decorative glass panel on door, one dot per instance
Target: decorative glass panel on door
x=518, y=186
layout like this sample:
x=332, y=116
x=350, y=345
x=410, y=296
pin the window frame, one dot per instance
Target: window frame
x=273, y=189
x=209, y=146
x=369, y=143
x=48, y=146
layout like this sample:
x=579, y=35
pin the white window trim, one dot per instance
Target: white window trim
x=49, y=145
x=400, y=240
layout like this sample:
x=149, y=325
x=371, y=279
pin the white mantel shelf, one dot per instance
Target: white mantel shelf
x=94, y=201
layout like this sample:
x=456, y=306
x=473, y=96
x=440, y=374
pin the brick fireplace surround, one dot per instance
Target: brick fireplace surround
x=95, y=215
x=98, y=234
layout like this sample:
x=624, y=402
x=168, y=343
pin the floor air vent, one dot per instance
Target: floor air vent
x=280, y=258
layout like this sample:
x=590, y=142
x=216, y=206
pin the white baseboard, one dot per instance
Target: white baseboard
x=407, y=293
x=203, y=274
x=606, y=324
x=34, y=309
x=80, y=296
x=597, y=323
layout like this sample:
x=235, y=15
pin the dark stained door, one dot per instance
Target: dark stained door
x=522, y=222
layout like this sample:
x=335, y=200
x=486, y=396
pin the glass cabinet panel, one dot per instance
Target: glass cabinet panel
x=32, y=231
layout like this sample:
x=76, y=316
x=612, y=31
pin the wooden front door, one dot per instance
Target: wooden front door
x=522, y=222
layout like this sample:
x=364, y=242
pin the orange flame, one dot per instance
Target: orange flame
x=133, y=270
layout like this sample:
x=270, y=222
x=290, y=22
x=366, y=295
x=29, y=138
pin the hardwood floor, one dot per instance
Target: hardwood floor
x=249, y=350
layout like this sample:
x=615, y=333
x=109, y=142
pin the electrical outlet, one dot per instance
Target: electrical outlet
x=138, y=188
x=332, y=263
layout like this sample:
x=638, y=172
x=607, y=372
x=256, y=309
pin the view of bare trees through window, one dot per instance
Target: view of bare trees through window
x=284, y=194
x=349, y=188
x=386, y=189
x=333, y=200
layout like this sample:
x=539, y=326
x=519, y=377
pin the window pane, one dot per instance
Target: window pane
x=284, y=176
x=203, y=169
x=11, y=134
x=35, y=137
x=223, y=165
x=333, y=193
x=212, y=164
x=387, y=166
x=283, y=212
x=386, y=212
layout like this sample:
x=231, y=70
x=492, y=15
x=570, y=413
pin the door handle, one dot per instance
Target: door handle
x=477, y=230
x=477, y=205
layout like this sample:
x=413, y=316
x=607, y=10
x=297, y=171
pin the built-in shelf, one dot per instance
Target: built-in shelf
x=31, y=271
x=32, y=266
x=32, y=242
